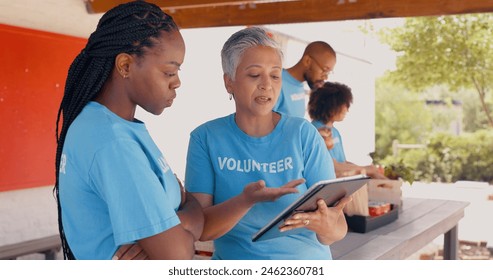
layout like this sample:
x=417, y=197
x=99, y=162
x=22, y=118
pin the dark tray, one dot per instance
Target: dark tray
x=364, y=224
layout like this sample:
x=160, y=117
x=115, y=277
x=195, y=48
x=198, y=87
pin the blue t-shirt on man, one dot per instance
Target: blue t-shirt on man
x=292, y=97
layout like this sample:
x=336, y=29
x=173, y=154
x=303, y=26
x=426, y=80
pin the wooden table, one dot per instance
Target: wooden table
x=419, y=223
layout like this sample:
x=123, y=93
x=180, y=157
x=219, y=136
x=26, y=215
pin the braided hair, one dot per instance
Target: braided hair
x=127, y=28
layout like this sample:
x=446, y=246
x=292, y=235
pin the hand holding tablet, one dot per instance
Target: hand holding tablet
x=331, y=191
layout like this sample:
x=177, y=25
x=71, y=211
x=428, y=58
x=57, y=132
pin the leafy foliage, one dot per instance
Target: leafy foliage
x=398, y=170
x=452, y=50
x=449, y=158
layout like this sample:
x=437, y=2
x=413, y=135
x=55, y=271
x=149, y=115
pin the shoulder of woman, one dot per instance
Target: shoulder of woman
x=295, y=120
x=212, y=124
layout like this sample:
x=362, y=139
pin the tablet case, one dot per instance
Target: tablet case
x=329, y=190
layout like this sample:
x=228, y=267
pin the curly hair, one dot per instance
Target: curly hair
x=327, y=101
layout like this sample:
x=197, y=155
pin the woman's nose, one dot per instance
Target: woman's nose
x=176, y=84
x=265, y=85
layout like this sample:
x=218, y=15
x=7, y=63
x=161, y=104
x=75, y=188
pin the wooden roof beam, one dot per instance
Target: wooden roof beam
x=321, y=10
x=220, y=13
x=101, y=6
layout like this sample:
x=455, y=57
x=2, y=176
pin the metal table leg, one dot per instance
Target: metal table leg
x=450, y=244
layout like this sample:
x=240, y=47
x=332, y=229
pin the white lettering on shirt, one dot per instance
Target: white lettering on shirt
x=250, y=165
x=164, y=164
x=297, y=96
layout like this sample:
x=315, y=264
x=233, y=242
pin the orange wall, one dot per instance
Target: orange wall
x=33, y=69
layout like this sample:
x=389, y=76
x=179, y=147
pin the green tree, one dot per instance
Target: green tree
x=451, y=50
x=399, y=114
x=473, y=119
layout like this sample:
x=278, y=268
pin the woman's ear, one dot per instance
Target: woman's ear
x=122, y=64
x=228, y=83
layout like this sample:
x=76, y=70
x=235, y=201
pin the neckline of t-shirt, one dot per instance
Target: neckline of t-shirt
x=253, y=139
x=96, y=105
x=290, y=79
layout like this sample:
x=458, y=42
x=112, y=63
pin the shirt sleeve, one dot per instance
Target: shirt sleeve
x=199, y=172
x=318, y=161
x=136, y=199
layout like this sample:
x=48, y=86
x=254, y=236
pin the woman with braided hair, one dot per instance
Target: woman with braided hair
x=113, y=185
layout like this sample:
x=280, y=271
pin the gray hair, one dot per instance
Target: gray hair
x=241, y=41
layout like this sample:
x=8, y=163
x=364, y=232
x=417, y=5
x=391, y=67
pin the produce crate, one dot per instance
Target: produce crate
x=385, y=191
x=364, y=224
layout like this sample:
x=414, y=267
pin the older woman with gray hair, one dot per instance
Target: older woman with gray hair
x=245, y=168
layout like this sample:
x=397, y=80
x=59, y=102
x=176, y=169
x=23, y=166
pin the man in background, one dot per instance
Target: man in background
x=314, y=67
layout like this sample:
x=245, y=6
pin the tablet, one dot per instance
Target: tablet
x=330, y=190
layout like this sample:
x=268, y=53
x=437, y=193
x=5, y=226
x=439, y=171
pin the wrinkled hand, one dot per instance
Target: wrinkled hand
x=372, y=171
x=258, y=191
x=350, y=172
x=130, y=252
x=322, y=221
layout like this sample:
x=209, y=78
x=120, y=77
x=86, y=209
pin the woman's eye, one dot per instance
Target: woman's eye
x=172, y=72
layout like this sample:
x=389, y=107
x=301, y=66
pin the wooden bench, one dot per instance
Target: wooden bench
x=49, y=246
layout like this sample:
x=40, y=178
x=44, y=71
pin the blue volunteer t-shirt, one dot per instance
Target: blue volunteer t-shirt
x=292, y=97
x=337, y=152
x=222, y=160
x=115, y=185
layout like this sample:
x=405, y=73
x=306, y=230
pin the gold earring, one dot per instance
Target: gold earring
x=123, y=74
